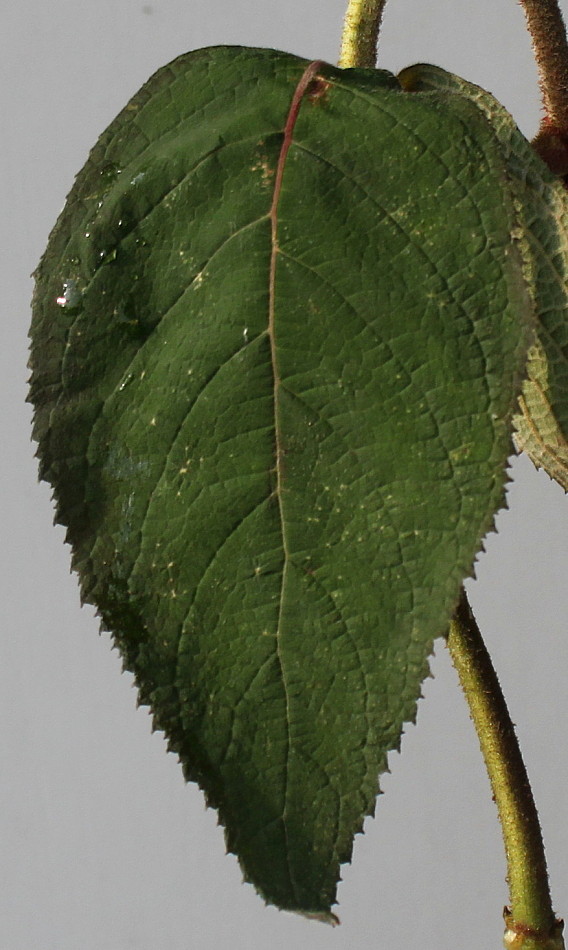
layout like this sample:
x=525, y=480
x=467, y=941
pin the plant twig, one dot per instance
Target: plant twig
x=546, y=27
x=550, y=46
x=530, y=920
x=361, y=33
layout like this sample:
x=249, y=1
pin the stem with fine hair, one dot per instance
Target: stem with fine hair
x=546, y=27
x=530, y=920
x=550, y=46
x=361, y=33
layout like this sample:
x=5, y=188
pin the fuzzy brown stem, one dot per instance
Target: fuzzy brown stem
x=548, y=32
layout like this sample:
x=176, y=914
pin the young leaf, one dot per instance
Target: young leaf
x=542, y=420
x=278, y=335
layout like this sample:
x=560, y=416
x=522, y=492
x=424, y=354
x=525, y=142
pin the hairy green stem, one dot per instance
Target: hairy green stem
x=546, y=26
x=530, y=920
x=361, y=33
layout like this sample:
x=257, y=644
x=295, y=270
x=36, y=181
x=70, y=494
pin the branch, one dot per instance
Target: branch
x=550, y=46
x=546, y=26
x=361, y=33
x=530, y=921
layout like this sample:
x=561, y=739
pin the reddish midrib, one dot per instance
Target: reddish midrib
x=301, y=89
x=307, y=77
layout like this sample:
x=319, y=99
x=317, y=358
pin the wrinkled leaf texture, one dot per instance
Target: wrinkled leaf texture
x=278, y=338
x=541, y=424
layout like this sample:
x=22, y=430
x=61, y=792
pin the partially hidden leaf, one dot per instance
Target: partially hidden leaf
x=278, y=337
x=542, y=420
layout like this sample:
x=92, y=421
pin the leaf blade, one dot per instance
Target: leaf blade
x=542, y=420
x=281, y=663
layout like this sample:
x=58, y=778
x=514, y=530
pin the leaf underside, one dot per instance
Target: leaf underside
x=541, y=423
x=277, y=341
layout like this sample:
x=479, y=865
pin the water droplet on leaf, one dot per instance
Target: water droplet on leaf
x=71, y=296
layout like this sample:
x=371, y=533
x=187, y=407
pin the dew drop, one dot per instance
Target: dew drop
x=106, y=257
x=71, y=296
x=125, y=382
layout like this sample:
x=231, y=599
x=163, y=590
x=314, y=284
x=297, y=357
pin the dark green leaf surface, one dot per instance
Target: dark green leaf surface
x=542, y=422
x=277, y=341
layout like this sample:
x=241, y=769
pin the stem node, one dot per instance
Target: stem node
x=519, y=937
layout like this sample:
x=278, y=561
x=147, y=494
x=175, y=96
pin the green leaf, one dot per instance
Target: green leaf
x=542, y=422
x=277, y=340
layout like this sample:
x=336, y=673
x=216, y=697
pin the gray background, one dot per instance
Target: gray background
x=103, y=847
